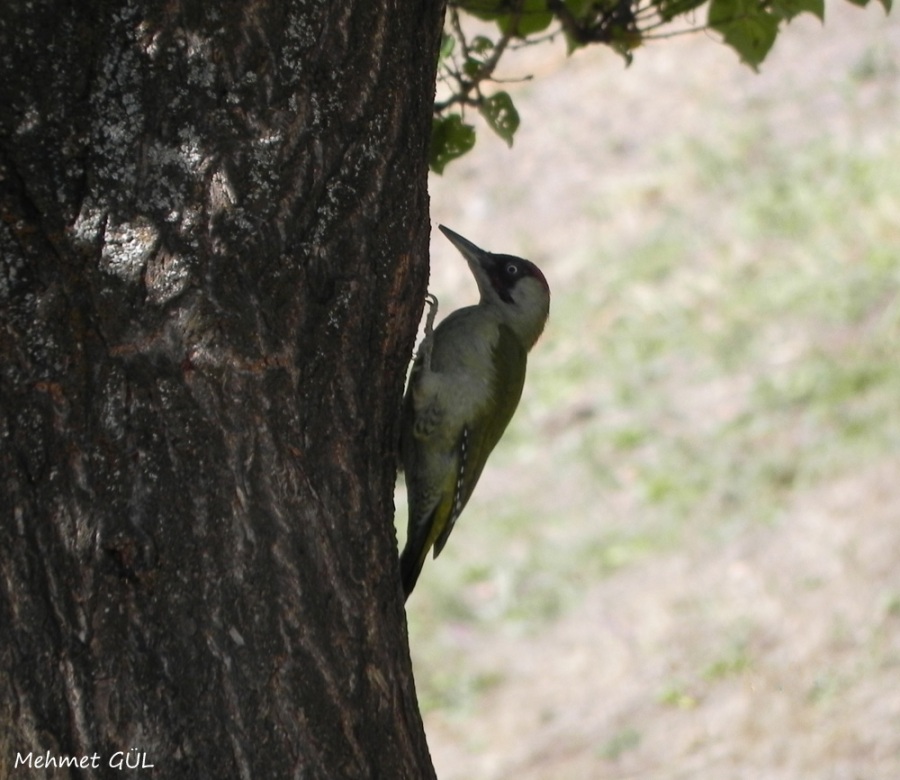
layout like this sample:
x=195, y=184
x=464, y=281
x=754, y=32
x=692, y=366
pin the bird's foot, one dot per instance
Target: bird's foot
x=427, y=344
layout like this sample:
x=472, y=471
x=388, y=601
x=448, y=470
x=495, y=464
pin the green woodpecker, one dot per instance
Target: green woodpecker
x=463, y=390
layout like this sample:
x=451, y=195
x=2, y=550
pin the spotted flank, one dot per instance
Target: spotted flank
x=459, y=497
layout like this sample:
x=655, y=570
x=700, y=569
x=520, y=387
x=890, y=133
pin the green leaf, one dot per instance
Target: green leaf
x=482, y=9
x=788, y=9
x=886, y=4
x=501, y=115
x=472, y=66
x=480, y=44
x=450, y=138
x=670, y=9
x=532, y=18
x=448, y=42
x=579, y=8
x=746, y=26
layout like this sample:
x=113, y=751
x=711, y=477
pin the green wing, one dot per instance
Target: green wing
x=479, y=438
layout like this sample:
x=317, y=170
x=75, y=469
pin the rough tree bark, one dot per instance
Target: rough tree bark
x=213, y=242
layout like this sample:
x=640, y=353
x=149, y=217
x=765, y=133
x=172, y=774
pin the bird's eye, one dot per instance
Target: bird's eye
x=512, y=269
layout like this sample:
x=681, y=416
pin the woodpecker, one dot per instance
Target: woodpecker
x=463, y=389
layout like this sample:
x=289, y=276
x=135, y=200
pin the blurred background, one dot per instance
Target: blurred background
x=683, y=559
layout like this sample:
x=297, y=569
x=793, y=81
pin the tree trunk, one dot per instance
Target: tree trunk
x=214, y=253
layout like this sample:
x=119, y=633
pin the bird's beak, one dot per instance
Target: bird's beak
x=480, y=260
x=468, y=249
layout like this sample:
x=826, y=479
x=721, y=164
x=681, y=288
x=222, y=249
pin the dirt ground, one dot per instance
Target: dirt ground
x=801, y=678
x=614, y=691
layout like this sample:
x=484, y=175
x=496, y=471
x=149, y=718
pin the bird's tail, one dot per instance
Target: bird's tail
x=412, y=559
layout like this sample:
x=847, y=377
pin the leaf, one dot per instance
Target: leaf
x=670, y=9
x=788, y=9
x=480, y=44
x=500, y=113
x=472, y=66
x=482, y=9
x=448, y=42
x=746, y=26
x=579, y=8
x=624, y=41
x=886, y=4
x=450, y=138
x=532, y=18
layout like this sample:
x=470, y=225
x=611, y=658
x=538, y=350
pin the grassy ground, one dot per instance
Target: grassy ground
x=684, y=558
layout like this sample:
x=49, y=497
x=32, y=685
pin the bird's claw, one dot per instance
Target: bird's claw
x=428, y=340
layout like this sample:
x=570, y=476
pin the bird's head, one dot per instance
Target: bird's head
x=515, y=288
